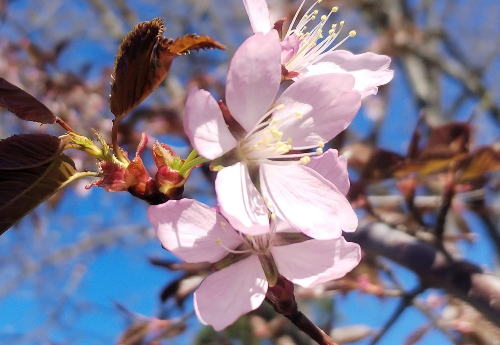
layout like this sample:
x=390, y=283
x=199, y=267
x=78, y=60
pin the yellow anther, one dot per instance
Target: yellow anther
x=313, y=17
x=334, y=26
x=331, y=32
x=323, y=18
x=281, y=106
x=223, y=223
x=352, y=33
x=315, y=12
x=341, y=23
x=272, y=216
x=319, y=150
x=304, y=160
x=289, y=140
x=321, y=144
x=218, y=241
x=335, y=9
x=298, y=114
x=319, y=1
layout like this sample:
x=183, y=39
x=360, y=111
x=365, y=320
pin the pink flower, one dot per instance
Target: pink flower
x=309, y=53
x=247, y=264
x=277, y=136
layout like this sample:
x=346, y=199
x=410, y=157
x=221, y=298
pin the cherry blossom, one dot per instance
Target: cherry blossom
x=306, y=53
x=278, y=138
x=246, y=265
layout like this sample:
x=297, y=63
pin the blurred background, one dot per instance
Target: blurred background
x=85, y=266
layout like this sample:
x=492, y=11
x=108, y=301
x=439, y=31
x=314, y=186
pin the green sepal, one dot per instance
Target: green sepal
x=287, y=238
x=232, y=258
x=270, y=268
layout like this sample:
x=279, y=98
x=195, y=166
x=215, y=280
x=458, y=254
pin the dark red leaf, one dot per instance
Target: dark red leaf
x=484, y=160
x=30, y=174
x=381, y=165
x=447, y=141
x=24, y=151
x=143, y=61
x=23, y=105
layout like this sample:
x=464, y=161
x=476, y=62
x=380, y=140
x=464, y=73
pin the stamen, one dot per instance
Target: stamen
x=261, y=124
x=305, y=160
x=319, y=150
x=292, y=155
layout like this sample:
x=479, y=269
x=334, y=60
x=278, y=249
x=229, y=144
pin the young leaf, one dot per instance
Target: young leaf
x=32, y=168
x=484, y=160
x=24, y=105
x=143, y=61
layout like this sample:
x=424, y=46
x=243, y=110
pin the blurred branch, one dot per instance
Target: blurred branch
x=110, y=21
x=461, y=279
x=421, y=59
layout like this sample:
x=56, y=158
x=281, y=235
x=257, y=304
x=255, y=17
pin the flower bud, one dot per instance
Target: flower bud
x=169, y=180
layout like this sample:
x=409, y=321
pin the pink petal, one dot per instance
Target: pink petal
x=327, y=105
x=289, y=48
x=240, y=202
x=369, y=69
x=254, y=78
x=205, y=125
x=283, y=226
x=307, y=201
x=191, y=230
x=231, y=292
x=258, y=13
x=332, y=167
x=312, y=262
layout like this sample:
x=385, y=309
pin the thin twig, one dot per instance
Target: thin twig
x=449, y=192
x=425, y=310
x=406, y=301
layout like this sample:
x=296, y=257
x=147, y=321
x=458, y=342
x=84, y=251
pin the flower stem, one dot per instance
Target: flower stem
x=64, y=125
x=282, y=298
x=114, y=139
x=191, y=156
x=309, y=328
x=188, y=165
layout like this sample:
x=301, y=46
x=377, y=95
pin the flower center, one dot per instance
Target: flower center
x=265, y=142
x=309, y=51
x=258, y=244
